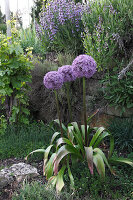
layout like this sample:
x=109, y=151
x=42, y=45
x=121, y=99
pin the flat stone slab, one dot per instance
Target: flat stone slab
x=16, y=172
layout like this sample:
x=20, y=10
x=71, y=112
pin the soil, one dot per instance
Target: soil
x=7, y=192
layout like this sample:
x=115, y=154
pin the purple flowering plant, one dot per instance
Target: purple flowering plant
x=68, y=75
x=61, y=25
x=53, y=80
x=84, y=66
x=76, y=141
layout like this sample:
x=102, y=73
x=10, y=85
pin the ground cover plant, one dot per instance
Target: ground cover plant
x=122, y=130
x=20, y=139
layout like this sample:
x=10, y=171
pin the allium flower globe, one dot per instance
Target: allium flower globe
x=67, y=73
x=53, y=80
x=84, y=66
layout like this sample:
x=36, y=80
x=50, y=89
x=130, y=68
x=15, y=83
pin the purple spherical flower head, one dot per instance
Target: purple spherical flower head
x=53, y=80
x=67, y=73
x=84, y=66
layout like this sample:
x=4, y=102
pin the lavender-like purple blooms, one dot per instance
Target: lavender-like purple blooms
x=67, y=73
x=53, y=80
x=58, y=13
x=84, y=66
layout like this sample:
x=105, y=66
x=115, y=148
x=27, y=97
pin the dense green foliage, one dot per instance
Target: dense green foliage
x=122, y=130
x=18, y=141
x=108, y=37
x=15, y=73
x=113, y=187
x=119, y=93
x=108, y=32
x=2, y=23
x=28, y=39
x=36, y=9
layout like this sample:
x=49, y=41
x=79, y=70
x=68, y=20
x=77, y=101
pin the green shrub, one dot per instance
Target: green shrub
x=18, y=141
x=3, y=28
x=122, y=130
x=119, y=93
x=15, y=73
x=108, y=31
x=28, y=39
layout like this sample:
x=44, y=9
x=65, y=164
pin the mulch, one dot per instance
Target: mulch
x=7, y=192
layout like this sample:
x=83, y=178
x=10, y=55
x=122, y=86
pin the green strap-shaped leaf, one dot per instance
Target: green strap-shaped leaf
x=70, y=133
x=75, y=124
x=63, y=126
x=53, y=180
x=62, y=152
x=99, y=151
x=70, y=174
x=79, y=141
x=54, y=136
x=100, y=138
x=60, y=182
x=111, y=146
x=63, y=141
x=89, y=118
x=121, y=160
x=83, y=131
x=99, y=163
x=48, y=171
x=46, y=155
x=36, y=151
x=89, y=157
x=96, y=135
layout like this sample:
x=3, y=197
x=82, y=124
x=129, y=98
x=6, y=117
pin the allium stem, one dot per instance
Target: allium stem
x=68, y=101
x=84, y=107
x=58, y=111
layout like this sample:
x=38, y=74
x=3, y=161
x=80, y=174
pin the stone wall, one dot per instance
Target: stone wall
x=95, y=99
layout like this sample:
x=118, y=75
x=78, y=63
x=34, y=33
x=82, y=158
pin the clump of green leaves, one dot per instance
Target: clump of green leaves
x=28, y=39
x=15, y=73
x=122, y=130
x=119, y=93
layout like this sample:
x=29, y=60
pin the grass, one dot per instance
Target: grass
x=19, y=141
